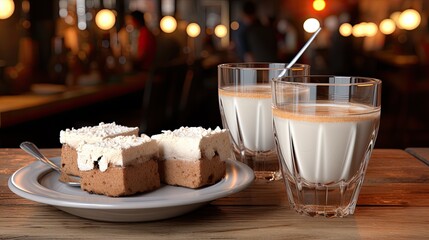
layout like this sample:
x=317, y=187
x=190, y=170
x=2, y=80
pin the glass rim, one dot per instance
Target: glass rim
x=248, y=66
x=368, y=80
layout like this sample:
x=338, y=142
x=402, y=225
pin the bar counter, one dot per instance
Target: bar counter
x=32, y=105
x=393, y=204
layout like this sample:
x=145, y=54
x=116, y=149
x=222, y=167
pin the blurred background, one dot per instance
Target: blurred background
x=153, y=63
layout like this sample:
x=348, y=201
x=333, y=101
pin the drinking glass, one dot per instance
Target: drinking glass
x=325, y=128
x=245, y=106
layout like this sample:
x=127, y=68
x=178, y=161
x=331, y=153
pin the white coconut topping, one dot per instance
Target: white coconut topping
x=75, y=137
x=118, y=151
x=194, y=143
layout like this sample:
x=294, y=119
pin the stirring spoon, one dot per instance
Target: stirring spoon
x=32, y=149
x=298, y=55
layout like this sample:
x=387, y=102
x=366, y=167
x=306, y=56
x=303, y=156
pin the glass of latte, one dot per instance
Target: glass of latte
x=245, y=106
x=325, y=129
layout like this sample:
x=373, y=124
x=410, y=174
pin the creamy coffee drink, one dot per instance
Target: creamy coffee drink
x=324, y=139
x=247, y=113
x=328, y=142
x=245, y=107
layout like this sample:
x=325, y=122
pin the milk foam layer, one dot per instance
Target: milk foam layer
x=329, y=141
x=194, y=143
x=247, y=112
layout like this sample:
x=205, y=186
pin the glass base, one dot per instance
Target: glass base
x=323, y=211
x=265, y=165
x=268, y=175
x=328, y=200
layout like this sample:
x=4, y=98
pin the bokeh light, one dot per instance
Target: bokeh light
x=346, y=29
x=235, y=25
x=387, y=26
x=395, y=17
x=409, y=19
x=105, y=19
x=319, y=5
x=193, y=30
x=220, y=31
x=7, y=7
x=168, y=24
x=371, y=29
x=358, y=30
x=311, y=25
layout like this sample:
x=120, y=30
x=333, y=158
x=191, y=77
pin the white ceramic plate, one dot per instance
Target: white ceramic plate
x=39, y=183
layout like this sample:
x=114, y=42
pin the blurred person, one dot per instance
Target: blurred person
x=144, y=54
x=255, y=42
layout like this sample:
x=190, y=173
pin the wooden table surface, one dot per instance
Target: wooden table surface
x=393, y=204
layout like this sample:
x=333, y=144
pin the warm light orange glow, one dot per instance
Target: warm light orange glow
x=395, y=17
x=193, y=30
x=409, y=19
x=371, y=29
x=358, y=30
x=105, y=19
x=387, y=26
x=209, y=31
x=235, y=25
x=168, y=24
x=346, y=29
x=7, y=7
x=319, y=5
x=220, y=31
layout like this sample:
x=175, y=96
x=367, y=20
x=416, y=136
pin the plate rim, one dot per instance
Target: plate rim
x=42, y=194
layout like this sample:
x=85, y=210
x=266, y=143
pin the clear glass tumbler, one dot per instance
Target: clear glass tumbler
x=325, y=129
x=245, y=106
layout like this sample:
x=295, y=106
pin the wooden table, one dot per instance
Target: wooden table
x=16, y=109
x=393, y=204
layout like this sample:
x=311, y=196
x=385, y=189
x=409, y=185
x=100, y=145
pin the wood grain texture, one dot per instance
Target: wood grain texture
x=394, y=204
